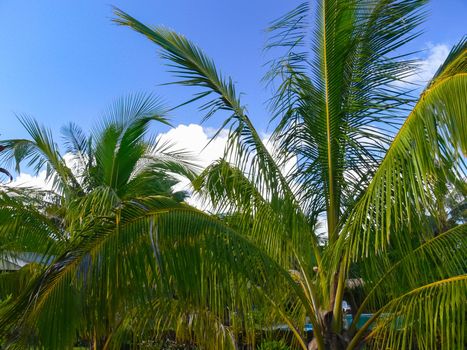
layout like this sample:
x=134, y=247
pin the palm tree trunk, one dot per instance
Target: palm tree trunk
x=95, y=341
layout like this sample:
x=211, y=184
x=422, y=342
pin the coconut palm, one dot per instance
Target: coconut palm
x=119, y=162
x=367, y=157
x=350, y=147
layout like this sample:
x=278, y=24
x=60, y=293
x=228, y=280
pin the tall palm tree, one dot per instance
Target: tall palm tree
x=367, y=158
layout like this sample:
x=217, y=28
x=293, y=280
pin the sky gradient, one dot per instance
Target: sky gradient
x=64, y=61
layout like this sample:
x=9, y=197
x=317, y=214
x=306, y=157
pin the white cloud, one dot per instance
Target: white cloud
x=194, y=138
x=27, y=180
x=198, y=141
x=435, y=56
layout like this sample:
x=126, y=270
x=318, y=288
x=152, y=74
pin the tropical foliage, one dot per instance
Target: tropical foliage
x=350, y=147
x=4, y=171
x=118, y=164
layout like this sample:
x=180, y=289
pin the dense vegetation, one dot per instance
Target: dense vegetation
x=126, y=262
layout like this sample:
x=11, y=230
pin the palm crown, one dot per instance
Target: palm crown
x=366, y=156
x=114, y=165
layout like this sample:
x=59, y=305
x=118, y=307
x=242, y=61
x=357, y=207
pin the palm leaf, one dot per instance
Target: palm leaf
x=196, y=69
x=119, y=140
x=190, y=259
x=432, y=316
x=438, y=258
x=41, y=152
x=428, y=149
x=338, y=106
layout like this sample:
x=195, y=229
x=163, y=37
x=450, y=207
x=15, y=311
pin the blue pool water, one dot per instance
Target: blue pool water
x=347, y=321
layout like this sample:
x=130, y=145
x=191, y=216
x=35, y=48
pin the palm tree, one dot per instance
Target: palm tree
x=117, y=163
x=367, y=157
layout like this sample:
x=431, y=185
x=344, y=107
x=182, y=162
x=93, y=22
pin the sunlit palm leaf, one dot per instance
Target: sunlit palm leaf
x=429, y=317
x=440, y=257
x=429, y=148
x=169, y=250
x=196, y=69
x=40, y=152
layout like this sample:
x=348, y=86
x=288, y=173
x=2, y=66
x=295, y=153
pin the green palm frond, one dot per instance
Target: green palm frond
x=119, y=142
x=432, y=316
x=99, y=202
x=77, y=145
x=189, y=64
x=75, y=140
x=170, y=250
x=194, y=68
x=120, y=165
x=288, y=34
x=274, y=224
x=40, y=152
x=428, y=149
x=438, y=258
x=453, y=64
x=337, y=107
x=127, y=109
x=166, y=156
x=228, y=188
x=25, y=228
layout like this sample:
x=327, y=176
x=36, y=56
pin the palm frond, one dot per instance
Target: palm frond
x=288, y=34
x=390, y=276
x=119, y=141
x=170, y=250
x=428, y=149
x=272, y=223
x=25, y=228
x=75, y=140
x=40, y=152
x=167, y=157
x=429, y=317
x=196, y=69
x=338, y=107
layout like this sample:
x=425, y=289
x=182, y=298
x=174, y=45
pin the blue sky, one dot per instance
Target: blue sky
x=65, y=61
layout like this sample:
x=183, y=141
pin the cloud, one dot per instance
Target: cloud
x=27, y=180
x=435, y=56
x=198, y=141
x=195, y=138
